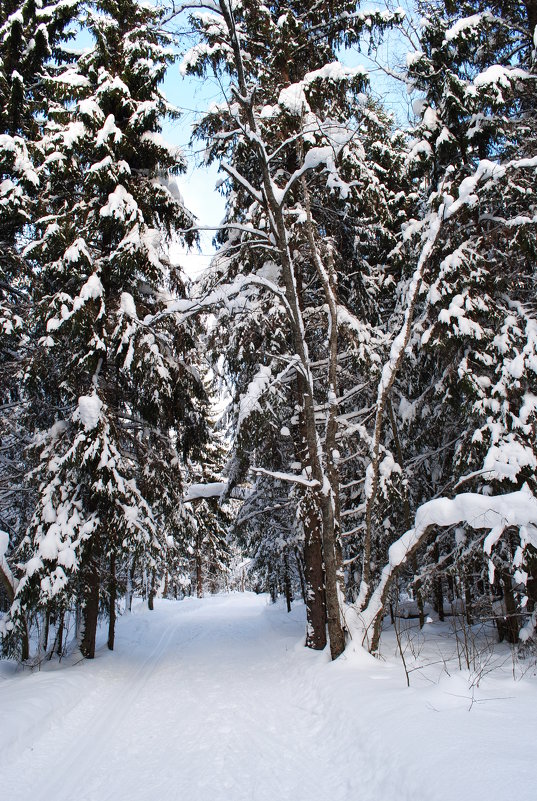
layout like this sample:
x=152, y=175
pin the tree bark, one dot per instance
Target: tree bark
x=511, y=627
x=199, y=566
x=313, y=574
x=58, y=646
x=300, y=568
x=47, y=627
x=130, y=584
x=531, y=11
x=90, y=610
x=152, y=592
x=438, y=588
x=279, y=232
x=113, y=598
x=287, y=583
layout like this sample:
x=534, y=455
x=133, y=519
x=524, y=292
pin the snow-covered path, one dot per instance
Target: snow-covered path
x=216, y=700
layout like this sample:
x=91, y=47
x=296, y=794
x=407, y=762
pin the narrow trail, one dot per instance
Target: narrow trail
x=217, y=700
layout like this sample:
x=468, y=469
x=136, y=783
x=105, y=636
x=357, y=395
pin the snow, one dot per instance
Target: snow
x=257, y=388
x=73, y=254
x=478, y=511
x=494, y=512
x=89, y=411
x=293, y=97
x=214, y=489
x=499, y=75
x=464, y=25
x=121, y=205
x=109, y=129
x=4, y=542
x=71, y=77
x=218, y=700
x=128, y=306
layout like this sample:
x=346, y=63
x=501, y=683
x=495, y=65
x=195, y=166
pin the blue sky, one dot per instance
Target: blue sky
x=194, y=95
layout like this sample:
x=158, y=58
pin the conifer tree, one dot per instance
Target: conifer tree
x=463, y=404
x=33, y=36
x=123, y=405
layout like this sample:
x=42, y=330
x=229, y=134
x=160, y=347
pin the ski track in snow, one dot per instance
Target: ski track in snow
x=217, y=700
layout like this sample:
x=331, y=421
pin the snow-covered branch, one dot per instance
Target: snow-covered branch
x=495, y=513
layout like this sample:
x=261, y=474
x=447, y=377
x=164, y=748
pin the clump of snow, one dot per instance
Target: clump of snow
x=213, y=489
x=92, y=289
x=121, y=205
x=88, y=411
x=128, y=305
x=500, y=76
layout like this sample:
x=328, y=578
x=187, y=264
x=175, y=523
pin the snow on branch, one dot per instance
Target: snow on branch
x=222, y=295
x=496, y=513
x=256, y=389
x=213, y=489
x=7, y=577
x=292, y=478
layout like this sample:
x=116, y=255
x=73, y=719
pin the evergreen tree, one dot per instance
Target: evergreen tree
x=121, y=404
x=33, y=36
x=464, y=402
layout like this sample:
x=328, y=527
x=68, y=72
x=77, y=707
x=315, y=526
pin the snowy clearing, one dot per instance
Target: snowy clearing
x=217, y=699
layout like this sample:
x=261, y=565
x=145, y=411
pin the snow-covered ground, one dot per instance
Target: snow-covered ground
x=217, y=700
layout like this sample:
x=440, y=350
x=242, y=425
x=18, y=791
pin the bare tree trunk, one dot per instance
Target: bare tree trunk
x=113, y=598
x=438, y=587
x=531, y=11
x=329, y=495
x=130, y=584
x=152, y=591
x=58, y=645
x=467, y=598
x=90, y=610
x=287, y=583
x=166, y=583
x=199, y=566
x=511, y=628
x=314, y=575
x=47, y=627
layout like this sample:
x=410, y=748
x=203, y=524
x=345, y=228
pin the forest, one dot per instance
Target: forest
x=342, y=408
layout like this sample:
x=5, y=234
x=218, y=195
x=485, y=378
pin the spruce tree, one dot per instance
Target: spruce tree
x=33, y=37
x=123, y=406
x=463, y=404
